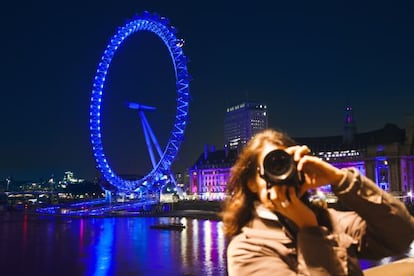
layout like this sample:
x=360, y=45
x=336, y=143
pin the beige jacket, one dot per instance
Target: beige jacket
x=378, y=226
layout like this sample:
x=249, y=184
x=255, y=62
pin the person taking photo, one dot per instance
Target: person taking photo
x=274, y=229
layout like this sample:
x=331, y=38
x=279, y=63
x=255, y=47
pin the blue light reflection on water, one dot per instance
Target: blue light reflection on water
x=109, y=246
x=101, y=255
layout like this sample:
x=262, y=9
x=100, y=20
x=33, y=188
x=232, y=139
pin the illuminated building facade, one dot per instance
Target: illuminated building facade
x=210, y=173
x=384, y=155
x=242, y=121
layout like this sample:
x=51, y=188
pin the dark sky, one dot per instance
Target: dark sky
x=305, y=59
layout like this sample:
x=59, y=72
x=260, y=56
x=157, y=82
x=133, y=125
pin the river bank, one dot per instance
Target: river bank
x=196, y=209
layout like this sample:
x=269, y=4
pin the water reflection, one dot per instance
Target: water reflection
x=114, y=246
x=101, y=254
x=109, y=246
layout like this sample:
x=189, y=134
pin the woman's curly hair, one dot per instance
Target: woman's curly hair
x=238, y=207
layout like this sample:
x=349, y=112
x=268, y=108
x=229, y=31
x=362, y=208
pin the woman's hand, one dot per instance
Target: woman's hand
x=317, y=172
x=286, y=202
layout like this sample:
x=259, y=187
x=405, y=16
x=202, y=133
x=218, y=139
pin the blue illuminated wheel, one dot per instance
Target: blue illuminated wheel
x=159, y=26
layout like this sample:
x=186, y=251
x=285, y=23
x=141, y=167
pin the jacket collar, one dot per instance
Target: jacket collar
x=263, y=212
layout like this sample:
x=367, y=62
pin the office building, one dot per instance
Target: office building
x=242, y=121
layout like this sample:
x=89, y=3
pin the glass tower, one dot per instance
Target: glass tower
x=242, y=121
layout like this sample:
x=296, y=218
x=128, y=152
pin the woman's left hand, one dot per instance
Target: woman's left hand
x=286, y=202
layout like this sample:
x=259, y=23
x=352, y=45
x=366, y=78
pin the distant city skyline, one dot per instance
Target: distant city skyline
x=306, y=61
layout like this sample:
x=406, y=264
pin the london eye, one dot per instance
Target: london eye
x=163, y=158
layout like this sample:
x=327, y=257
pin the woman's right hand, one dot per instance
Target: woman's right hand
x=317, y=171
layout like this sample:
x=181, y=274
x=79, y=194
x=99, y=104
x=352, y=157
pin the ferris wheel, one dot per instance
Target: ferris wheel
x=161, y=163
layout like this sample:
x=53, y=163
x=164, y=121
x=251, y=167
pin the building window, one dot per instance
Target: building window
x=382, y=174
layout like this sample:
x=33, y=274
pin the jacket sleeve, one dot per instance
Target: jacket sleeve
x=383, y=226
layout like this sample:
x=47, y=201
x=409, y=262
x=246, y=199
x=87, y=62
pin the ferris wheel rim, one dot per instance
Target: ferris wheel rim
x=160, y=27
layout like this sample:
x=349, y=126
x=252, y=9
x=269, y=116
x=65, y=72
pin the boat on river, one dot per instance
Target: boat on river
x=168, y=226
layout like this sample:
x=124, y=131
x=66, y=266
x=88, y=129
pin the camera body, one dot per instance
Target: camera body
x=280, y=169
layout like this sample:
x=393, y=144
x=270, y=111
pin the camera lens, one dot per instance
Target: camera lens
x=280, y=169
x=277, y=162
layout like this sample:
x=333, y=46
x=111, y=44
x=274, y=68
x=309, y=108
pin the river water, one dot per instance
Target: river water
x=36, y=245
x=33, y=245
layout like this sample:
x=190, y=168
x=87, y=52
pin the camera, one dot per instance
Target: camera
x=280, y=169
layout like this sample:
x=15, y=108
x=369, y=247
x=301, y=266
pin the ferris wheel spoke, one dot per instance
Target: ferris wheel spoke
x=147, y=139
x=152, y=136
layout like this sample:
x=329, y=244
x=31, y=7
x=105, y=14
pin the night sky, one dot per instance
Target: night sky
x=305, y=60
